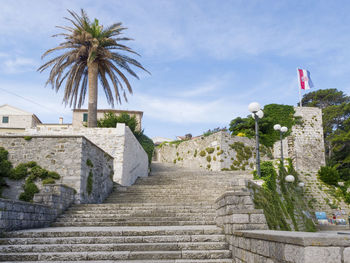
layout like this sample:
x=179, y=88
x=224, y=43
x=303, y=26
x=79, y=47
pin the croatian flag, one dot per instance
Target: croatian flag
x=304, y=79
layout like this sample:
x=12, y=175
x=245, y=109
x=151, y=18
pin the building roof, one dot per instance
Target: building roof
x=111, y=110
x=10, y=110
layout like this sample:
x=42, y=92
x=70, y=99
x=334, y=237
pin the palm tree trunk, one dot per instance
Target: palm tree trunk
x=92, y=108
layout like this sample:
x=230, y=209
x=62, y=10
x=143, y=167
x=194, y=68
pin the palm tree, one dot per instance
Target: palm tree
x=91, y=53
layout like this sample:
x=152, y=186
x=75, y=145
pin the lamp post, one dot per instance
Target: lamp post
x=282, y=130
x=257, y=114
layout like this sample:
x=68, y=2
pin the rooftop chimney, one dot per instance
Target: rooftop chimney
x=61, y=120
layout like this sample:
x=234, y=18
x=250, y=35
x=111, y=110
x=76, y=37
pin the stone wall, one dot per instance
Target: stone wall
x=235, y=211
x=47, y=206
x=66, y=155
x=130, y=160
x=224, y=155
x=289, y=247
x=305, y=145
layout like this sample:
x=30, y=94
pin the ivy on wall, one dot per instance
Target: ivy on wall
x=283, y=203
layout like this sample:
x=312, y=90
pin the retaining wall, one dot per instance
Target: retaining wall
x=16, y=215
x=130, y=160
x=68, y=156
x=290, y=247
x=224, y=156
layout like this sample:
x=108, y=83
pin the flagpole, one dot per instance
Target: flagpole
x=300, y=105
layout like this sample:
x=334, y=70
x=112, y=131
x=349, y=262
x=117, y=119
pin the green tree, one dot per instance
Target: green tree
x=92, y=52
x=110, y=120
x=335, y=107
x=273, y=114
x=324, y=98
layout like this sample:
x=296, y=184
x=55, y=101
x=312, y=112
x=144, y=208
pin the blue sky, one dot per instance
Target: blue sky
x=208, y=59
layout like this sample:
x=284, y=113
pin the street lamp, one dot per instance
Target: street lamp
x=290, y=178
x=257, y=114
x=282, y=130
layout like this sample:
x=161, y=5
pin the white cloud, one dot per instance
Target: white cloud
x=18, y=65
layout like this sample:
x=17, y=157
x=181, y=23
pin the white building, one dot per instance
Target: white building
x=13, y=119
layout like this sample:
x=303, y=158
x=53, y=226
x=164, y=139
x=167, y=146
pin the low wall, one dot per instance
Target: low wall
x=219, y=151
x=16, y=215
x=235, y=211
x=130, y=160
x=134, y=161
x=68, y=156
x=290, y=247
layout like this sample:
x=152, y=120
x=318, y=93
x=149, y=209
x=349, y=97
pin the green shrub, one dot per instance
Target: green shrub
x=195, y=153
x=31, y=164
x=208, y=166
x=208, y=158
x=29, y=190
x=27, y=138
x=210, y=150
x=147, y=144
x=20, y=172
x=39, y=172
x=328, y=175
x=53, y=175
x=202, y=153
x=214, y=158
x=48, y=181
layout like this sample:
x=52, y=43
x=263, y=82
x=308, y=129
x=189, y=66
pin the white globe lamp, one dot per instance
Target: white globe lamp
x=284, y=129
x=260, y=114
x=254, y=107
x=277, y=127
x=290, y=178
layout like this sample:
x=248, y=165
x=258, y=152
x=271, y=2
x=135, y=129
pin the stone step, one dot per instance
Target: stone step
x=147, y=261
x=135, y=214
x=115, y=231
x=117, y=255
x=136, y=219
x=134, y=223
x=114, y=247
x=112, y=239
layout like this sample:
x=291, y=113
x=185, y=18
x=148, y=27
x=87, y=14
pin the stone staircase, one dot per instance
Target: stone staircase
x=166, y=217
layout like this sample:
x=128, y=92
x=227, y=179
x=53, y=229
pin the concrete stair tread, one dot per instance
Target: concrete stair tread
x=147, y=261
x=113, y=239
x=117, y=255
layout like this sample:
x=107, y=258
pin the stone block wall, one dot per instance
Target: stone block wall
x=235, y=211
x=289, y=247
x=224, y=156
x=47, y=206
x=305, y=145
x=130, y=160
x=66, y=155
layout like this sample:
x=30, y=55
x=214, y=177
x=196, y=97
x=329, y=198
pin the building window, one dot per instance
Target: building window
x=85, y=117
x=5, y=119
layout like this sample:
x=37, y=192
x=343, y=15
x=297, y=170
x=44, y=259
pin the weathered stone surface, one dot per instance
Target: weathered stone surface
x=130, y=160
x=322, y=254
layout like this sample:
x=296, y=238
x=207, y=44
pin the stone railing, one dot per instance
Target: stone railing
x=290, y=247
x=48, y=205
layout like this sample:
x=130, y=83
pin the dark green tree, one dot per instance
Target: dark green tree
x=273, y=114
x=335, y=107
